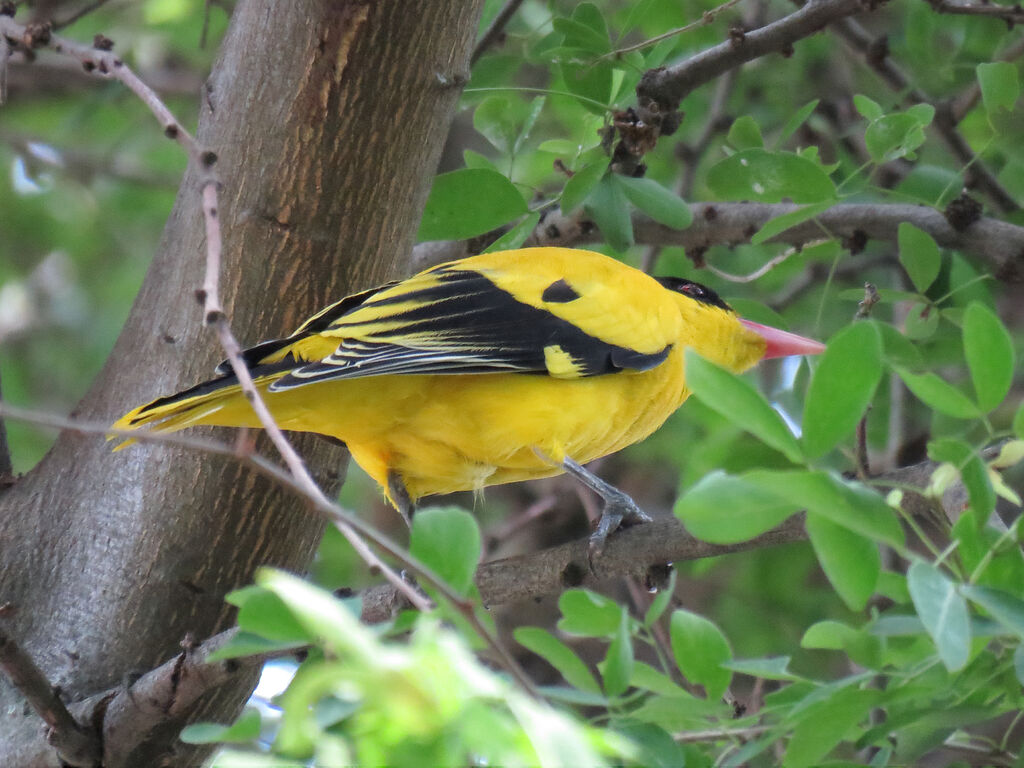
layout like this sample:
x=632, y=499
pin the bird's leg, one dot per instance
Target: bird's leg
x=618, y=510
x=400, y=496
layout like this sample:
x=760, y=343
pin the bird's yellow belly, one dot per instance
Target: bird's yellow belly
x=464, y=432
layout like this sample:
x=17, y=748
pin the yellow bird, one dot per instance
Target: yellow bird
x=492, y=369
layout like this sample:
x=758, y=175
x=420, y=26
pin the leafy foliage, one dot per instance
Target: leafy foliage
x=896, y=632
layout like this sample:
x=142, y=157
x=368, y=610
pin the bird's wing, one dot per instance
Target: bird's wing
x=454, y=319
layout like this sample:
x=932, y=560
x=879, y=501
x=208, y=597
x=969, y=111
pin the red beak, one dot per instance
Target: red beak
x=782, y=343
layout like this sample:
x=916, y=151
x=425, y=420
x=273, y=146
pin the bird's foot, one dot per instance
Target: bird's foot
x=620, y=511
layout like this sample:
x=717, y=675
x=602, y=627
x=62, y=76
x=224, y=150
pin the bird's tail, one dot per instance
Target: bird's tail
x=217, y=402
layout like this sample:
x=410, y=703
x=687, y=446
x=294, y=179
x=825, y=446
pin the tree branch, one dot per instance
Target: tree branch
x=1011, y=14
x=494, y=31
x=998, y=243
x=667, y=86
x=75, y=744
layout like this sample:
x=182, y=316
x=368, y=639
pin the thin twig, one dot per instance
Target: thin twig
x=214, y=316
x=5, y=55
x=104, y=64
x=495, y=29
x=83, y=11
x=721, y=734
x=667, y=86
x=76, y=745
x=1011, y=14
x=706, y=18
x=761, y=271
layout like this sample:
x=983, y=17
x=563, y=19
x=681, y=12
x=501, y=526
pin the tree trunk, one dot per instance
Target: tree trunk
x=328, y=118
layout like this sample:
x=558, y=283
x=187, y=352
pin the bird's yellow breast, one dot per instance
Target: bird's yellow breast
x=453, y=433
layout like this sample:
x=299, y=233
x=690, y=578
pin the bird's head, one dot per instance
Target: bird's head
x=715, y=331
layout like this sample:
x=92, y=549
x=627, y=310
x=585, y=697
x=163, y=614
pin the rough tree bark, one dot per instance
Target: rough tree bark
x=328, y=118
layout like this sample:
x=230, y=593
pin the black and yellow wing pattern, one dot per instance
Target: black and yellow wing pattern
x=450, y=320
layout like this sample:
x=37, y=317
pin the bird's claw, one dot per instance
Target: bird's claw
x=620, y=511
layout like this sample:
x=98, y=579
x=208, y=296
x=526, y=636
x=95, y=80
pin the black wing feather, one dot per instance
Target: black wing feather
x=463, y=323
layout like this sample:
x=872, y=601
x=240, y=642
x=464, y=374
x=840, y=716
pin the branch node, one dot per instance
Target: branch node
x=171, y=131
x=102, y=43
x=7, y=8
x=962, y=212
x=214, y=316
x=573, y=575
x=208, y=158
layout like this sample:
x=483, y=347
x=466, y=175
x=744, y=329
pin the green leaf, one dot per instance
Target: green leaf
x=943, y=612
x=585, y=29
x=516, y=236
x=496, y=121
x=657, y=748
x=473, y=159
x=1018, y=421
x=919, y=255
x=617, y=668
x=922, y=321
x=989, y=351
x=943, y=397
x=320, y=614
x=245, y=728
x=1018, y=663
x=647, y=677
x=867, y=108
x=580, y=184
x=897, y=135
x=753, y=509
x=826, y=725
x=558, y=655
x=536, y=106
x=249, y=644
x=662, y=205
x=770, y=177
x=467, y=203
x=745, y=133
x=735, y=399
x=828, y=635
x=1000, y=87
x=263, y=613
x=606, y=205
x=847, y=504
x=772, y=668
x=588, y=614
x=661, y=600
x=842, y=387
x=780, y=224
x=447, y=539
x=1004, y=607
x=700, y=649
x=797, y=119
x=592, y=83
x=850, y=561
x=973, y=473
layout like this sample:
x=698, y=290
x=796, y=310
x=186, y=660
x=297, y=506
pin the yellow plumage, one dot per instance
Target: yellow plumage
x=481, y=371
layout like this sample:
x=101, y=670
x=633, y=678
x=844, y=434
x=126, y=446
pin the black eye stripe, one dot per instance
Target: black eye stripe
x=695, y=291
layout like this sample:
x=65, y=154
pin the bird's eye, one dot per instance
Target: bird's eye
x=695, y=290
